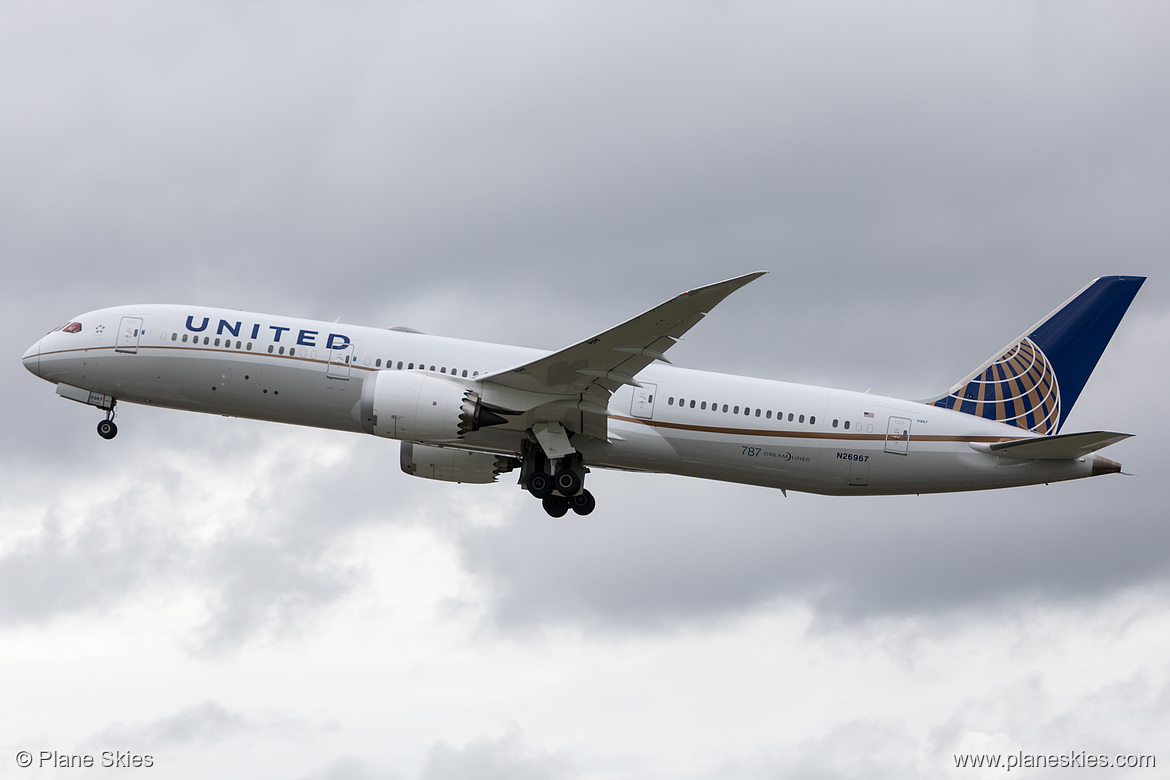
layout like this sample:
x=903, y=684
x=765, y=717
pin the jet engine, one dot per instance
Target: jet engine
x=447, y=465
x=424, y=407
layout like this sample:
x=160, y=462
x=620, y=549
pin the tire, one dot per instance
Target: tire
x=568, y=483
x=556, y=506
x=583, y=503
x=540, y=485
x=106, y=429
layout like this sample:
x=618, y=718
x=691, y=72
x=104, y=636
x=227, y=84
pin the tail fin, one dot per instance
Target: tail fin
x=1033, y=382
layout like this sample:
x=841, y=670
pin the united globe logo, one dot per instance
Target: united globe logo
x=1018, y=388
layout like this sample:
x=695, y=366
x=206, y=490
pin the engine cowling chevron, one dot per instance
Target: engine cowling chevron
x=475, y=414
x=424, y=407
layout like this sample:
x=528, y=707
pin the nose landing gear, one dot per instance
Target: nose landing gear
x=106, y=428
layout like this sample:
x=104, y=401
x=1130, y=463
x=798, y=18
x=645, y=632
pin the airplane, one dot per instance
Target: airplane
x=469, y=411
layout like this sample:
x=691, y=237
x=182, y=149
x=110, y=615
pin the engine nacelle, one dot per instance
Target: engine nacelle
x=447, y=465
x=422, y=406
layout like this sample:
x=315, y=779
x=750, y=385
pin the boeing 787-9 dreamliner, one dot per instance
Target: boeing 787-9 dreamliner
x=468, y=411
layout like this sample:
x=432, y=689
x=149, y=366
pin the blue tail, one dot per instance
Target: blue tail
x=1033, y=382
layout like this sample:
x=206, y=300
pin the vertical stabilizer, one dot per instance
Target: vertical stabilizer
x=1034, y=381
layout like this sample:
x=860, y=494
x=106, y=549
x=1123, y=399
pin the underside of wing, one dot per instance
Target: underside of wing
x=584, y=376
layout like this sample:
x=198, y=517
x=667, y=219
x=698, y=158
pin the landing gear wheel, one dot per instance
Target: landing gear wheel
x=583, y=503
x=568, y=483
x=556, y=506
x=107, y=430
x=540, y=485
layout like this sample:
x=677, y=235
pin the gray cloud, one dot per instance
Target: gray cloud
x=923, y=181
x=203, y=727
x=1036, y=724
x=266, y=566
x=205, y=723
x=636, y=564
x=502, y=758
x=854, y=749
x=351, y=769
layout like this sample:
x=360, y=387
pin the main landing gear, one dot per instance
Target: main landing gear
x=106, y=428
x=558, y=483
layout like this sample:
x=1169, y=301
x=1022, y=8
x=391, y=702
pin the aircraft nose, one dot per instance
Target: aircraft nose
x=32, y=358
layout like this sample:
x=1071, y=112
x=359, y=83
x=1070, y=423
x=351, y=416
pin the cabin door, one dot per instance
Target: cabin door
x=128, y=333
x=341, y=359
x=643, y=405
x=898, y=436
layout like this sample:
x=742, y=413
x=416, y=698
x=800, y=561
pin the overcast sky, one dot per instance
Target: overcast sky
x=923, y=181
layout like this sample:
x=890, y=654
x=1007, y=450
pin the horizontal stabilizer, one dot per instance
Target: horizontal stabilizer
x=1068, y=446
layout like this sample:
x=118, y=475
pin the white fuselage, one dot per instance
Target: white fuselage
x=681, y=421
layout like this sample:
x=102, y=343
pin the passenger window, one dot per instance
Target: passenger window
x=475, y=373
x=834, y=423
x=757, y=412
x=670, y=401
x=724, y=407
x=378, y=363
x=846, y=425
x=175, y=336
x=400, y=364
x=790, y=417
x=747, y=410
x=812, y=420
x=769, y=414
x=735, y=410
x=269, y=349
x=411, y=367
x=291, y=350
x=432, y=368
x=692, y=404
x=282, y=350
x=217, y=342
x=184, y=338
x=206, y=340
x=703, y=405
x=249, y=346
x=801, y=418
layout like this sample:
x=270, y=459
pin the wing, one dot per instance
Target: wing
x=594, y=369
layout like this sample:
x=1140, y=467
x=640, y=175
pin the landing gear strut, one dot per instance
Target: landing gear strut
x=558, y=483
x=106, y=428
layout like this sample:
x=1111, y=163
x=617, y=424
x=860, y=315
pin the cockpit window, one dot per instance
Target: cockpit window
x=73, y=327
